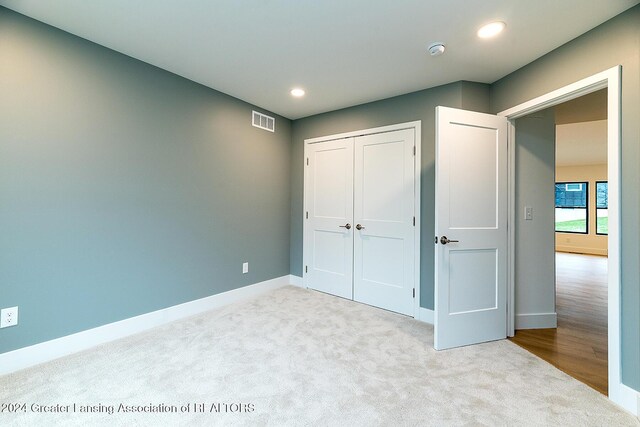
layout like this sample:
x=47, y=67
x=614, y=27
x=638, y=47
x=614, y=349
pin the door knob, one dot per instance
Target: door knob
x=444, y=240
x=360, y=227
x=347, y=226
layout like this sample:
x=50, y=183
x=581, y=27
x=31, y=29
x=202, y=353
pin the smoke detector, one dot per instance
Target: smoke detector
x=436, y=49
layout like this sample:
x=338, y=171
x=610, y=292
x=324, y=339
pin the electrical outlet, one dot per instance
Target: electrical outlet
x=8, y=317
x=245, y=267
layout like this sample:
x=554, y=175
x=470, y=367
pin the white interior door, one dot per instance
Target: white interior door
x=383, y=217
x=328, y=242
x=471, y=211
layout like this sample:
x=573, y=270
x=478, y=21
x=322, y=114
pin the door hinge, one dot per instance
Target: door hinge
x=307, y=161
x=414, y=150
x=306, y=269
x=414, y=292
x=414, y=221
x=307, y=214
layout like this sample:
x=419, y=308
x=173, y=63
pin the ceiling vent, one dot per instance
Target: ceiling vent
x=263, y=121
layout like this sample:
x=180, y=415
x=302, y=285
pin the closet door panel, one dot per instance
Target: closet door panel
x=328, y=247
x=383, y=215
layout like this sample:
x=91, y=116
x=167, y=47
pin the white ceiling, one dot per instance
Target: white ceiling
x=343, y=53
x=580, y=144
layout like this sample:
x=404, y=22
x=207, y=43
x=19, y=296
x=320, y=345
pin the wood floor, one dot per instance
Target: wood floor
x=579, y=345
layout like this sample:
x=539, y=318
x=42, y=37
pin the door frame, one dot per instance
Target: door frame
x=610, y=79
x=417, y=172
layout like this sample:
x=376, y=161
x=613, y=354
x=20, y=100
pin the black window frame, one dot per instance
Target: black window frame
x=601, y=182
x=586, y=208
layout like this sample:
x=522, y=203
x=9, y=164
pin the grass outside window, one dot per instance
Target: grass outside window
x=571, y=201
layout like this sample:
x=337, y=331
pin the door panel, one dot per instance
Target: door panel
x=383, y=178
x=384, y=257
x=328, y=244
x=384, y=206
x=473, y=195
x=330, y=182
x=477, y=266
x=471, y=207
x=329, y=251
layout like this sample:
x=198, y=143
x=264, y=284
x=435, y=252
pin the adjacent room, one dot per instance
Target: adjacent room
x=576, y=278
x=327, y=213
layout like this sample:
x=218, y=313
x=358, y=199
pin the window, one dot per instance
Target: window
x=571, y=207
x=602, y=207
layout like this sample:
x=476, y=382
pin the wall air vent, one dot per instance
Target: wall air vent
x=263, y=121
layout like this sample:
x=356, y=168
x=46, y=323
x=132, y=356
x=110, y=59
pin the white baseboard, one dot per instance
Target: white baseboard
x=59, y=347
x=536, y=321
x=626, y=397
x=425, y=315
x=296, y=280
x=582, y=250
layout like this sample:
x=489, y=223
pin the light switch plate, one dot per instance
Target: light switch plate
x=245, y=267
x=528, y=213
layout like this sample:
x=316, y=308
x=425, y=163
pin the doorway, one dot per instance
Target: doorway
x=573, y=268
x=609, y=79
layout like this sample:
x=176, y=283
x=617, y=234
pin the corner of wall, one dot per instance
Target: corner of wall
x=475, y=96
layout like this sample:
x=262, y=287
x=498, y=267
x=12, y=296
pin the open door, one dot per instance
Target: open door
x=471, y=228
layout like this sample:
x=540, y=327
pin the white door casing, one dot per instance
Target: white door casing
x=384, y=208
x=329, y=207
x=471, y=207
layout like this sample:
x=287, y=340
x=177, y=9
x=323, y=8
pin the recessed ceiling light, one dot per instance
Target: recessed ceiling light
x=491, y=30
x=297, y=92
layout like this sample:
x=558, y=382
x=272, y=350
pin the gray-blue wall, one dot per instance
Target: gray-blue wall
x=535, y=278
x=406, y=108
x=124, y=188
x=616, y=42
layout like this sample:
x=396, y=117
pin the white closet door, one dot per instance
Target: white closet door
x=383, y=216
x=328, y=249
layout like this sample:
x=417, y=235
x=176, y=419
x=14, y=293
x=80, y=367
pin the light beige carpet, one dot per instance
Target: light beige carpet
x=298, y=357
